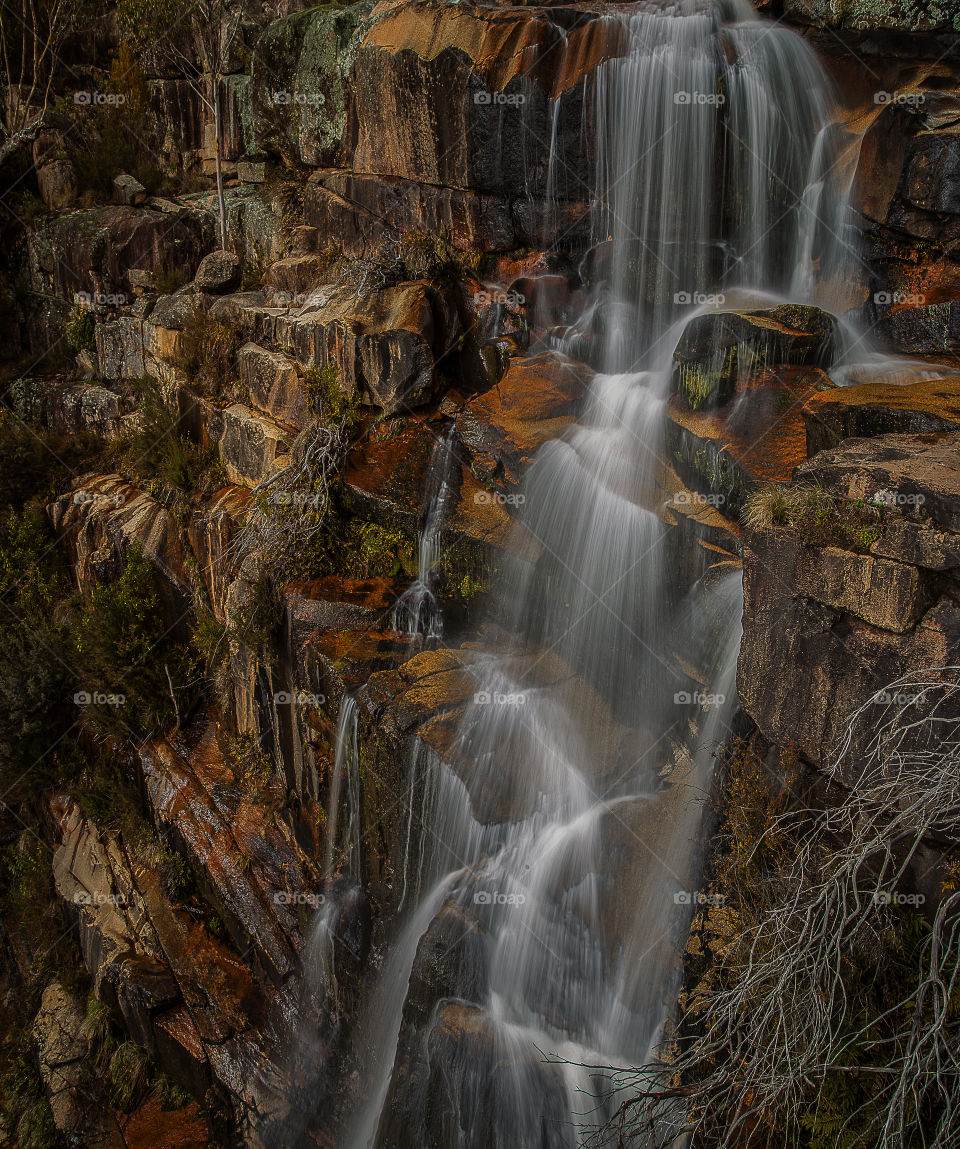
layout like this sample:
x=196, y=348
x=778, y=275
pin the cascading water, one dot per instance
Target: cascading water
x=417, y=611
x=568, y=848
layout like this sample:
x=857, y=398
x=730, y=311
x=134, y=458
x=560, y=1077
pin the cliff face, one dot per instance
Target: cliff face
x=401, y=227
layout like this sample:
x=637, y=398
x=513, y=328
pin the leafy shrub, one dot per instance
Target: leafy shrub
x=80, y=330
x=112, y=136
x=326, y=398
x=123, y=647
x=159, y=449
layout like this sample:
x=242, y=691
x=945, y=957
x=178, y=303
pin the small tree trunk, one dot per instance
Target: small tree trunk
x=217, y=147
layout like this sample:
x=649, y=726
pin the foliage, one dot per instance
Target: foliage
x=24, y=1110
x=145, y=21
x=433, y=254
x=208, y=351
x=80, y=330
x=122, y=136
x=35, y=677
x=124, y=648
x=326, y=398
x=823, y=518
x=249, y=762
x=159, y=449
x=129, y=1075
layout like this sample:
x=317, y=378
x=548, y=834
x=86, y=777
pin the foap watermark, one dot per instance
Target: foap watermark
x=715, y=99
x=891, y=898
x=83, y=498
x=899, y=299
x=295, y=499
x=698, y=698
x=289, y=299
x=699, y=298
x=500, y=99
x=304, y=99
x=895, y=698
x=98, y=898
x=99, y=298
x=496, y=698
x=282, y=898
x=888, y=498
x=495, y=898
x=487, y=498
x=99, y=99
x=697, y=898
x=909, y=99
x=299, y=698
x=695, y=499
x=492, y=297
x=98, y=698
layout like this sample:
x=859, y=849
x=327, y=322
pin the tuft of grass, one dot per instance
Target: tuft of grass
x=823, y=518
x=129, y=1075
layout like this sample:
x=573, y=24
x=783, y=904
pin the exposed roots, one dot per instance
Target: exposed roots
x=792, y=1023
x=288, y=509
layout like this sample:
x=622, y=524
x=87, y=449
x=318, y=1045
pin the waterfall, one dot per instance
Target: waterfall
x=568, y=854
x=417, y=611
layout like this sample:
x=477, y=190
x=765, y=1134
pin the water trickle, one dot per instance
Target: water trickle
x=417, y=611
x=343, y=810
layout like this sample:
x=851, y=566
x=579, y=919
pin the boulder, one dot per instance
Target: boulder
x=83, y=407
x=720, y=350
x=120, y=351
x=129, y=191
x=385, y=344
x=250, y=445
x=272, y=381
x=219, y=273
x=722, y=453
x=102, y=517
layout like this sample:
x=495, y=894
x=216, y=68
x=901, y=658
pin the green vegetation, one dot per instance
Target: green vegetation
x=432, y=255
x=822, y=518
x=25, y=1113
x=160, y=451
x=80, y=330
x=326, y=398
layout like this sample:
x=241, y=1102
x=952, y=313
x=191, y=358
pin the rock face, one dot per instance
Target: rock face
x=299, y=79
x=103, y=517
x=386, y=344
x=273, y=383
x=874, y=15
x=877, y=409
x=717, y=350
x=62, y=1051
x=826, y=629
x=92, y=250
